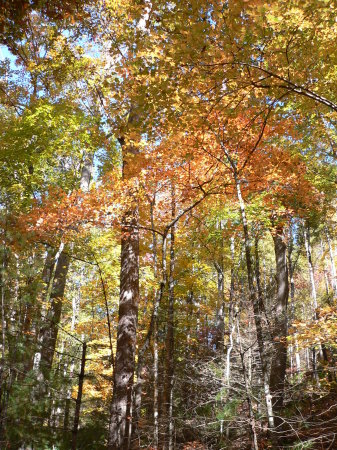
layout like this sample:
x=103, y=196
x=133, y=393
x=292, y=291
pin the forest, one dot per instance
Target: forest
x=168, y=246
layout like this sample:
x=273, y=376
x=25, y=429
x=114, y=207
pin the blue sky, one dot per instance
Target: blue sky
x=6, y=54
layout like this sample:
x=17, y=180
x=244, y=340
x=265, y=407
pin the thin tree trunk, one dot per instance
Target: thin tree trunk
x=220, y=324
x=3, y=388
x=168, y=389
x=56, y=288
x=112, y=360
x=67, y=406
x=332, y=263
x=3, y=318
x=258, y=307
x=155, y=381
x=257, y=270
x=86, y=172
x=231, y=322
x=220, y=312
x=313, y=293
x=292, y=298
x=325, y=270
x=252, y=422
x=50, y=329
x=153, y=330
x=155, y=327
x=79, y=398
x=311, y=269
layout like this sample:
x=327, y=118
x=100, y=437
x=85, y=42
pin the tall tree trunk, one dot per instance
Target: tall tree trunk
x=155, y=379
x=169, y=362
x=256, y=303
x=4, y=387
x=3, y=270
x=121, y=407
x=311, y=269
x=157, y=300
x=66, y=441
x=232, y=311
x=279, y=360
x=313, y=293
x=252, y=422
x=220, y=311
x=220, y=323
x=325, y=271
x=48, y=277
x=291, y=269
x=79, y=398
x=86, y=172
x=332, y=263
x=152, y=331
x=231, y=321
x=56, y=287
x=257, y=270
x=52, y=320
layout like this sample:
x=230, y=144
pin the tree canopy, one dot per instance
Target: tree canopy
x=167, y=218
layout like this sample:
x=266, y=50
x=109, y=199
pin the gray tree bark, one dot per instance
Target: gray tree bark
x=121, y=407
x=49, y=330
x=220, y=311
x=79, y=398
x=257, y=305
x=279, y=360
x=169, y=360
x=332, y=263
x=56, y=287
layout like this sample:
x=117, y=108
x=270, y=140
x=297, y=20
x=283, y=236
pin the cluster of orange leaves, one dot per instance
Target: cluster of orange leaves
x=322, y=330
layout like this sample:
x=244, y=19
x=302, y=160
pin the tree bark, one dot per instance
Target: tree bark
x=50, y=329
x=169, y=362
x=153, y=330
x=252, y=422
x=279, y=360
x=56, y=283
x=291, y=269
x=257, y=270
x=220, y=312
x=313, y=293
x=325, y=271
x=256, y=303
x=86, y=172
x=332, y=263
x=79, y=398
x=311, y=269
x=121, y=407
x=231, y=321
x=157, y=300
x=4, y=389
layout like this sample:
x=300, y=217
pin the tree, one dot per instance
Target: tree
x=167, y=182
